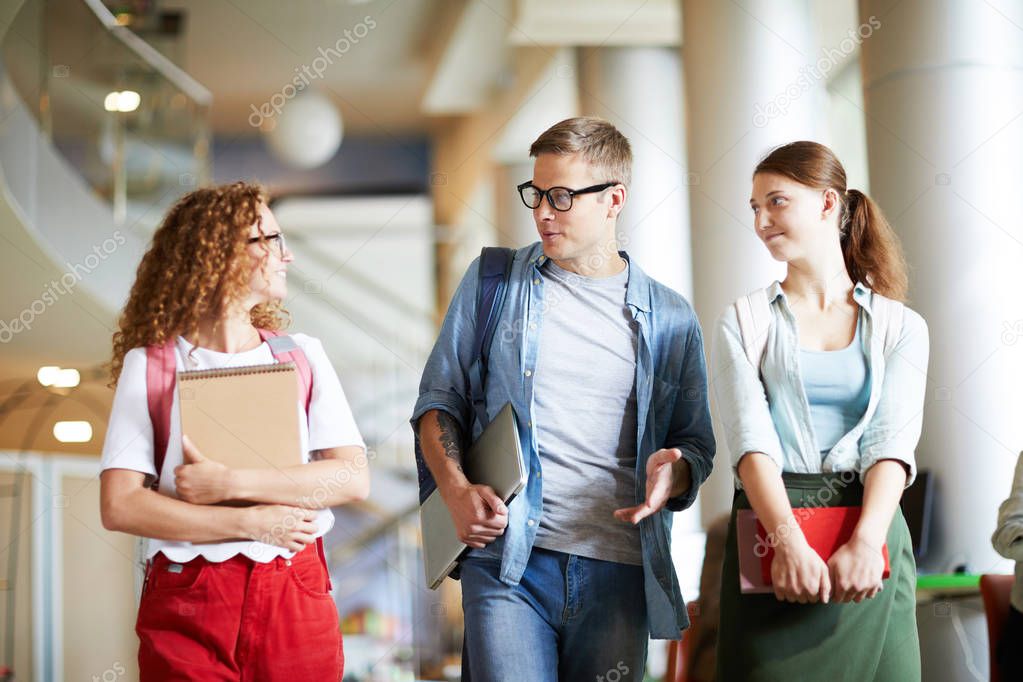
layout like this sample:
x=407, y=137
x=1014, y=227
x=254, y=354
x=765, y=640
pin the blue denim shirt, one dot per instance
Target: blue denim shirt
x=765, y=409
x=672, y=408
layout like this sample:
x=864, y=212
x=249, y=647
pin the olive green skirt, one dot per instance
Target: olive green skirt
x=763, y=639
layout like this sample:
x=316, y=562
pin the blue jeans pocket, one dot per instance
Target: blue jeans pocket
x=494, y=551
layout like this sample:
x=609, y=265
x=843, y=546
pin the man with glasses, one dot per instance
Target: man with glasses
x=605, y=370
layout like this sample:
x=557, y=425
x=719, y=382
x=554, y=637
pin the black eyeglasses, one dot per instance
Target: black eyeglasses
x=558, y=197
x=277, y=238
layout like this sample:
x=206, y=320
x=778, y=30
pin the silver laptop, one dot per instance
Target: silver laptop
x=495, y=459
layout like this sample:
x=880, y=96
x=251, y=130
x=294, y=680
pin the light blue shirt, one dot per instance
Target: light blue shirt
x=767, y=410
x=837, y=385
x=672, y=407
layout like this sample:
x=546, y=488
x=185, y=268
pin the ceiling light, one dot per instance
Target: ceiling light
x=58, y=377
x=72, y=432
x=123, y=101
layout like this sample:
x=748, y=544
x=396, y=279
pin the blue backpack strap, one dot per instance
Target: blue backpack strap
x=495, y=270
x=492, y=286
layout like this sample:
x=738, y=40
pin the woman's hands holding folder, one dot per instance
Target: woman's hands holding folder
x=199, y=480
x=857, y=567
x=856, y=570
x=797, y=572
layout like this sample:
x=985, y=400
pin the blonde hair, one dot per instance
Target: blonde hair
x=196, y=266
x=597, y=140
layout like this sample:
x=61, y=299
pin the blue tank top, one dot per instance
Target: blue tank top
x=837, y=385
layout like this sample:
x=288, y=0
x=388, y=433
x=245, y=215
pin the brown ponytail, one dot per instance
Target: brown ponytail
x=869, y=244
x=871, y=248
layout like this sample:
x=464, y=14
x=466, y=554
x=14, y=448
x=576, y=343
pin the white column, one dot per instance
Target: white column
x=943, y=85
x=747, y=91
x=639, y=89
x=552, y=99
x=515, y=226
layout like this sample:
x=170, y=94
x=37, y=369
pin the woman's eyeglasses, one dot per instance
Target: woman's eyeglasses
x=277, y=239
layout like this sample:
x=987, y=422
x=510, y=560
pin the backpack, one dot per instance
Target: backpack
x=754, y=314
x=492, y=286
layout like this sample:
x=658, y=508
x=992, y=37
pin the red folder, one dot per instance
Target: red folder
x=825, y=528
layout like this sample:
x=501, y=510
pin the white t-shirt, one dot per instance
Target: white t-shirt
x=129, y=440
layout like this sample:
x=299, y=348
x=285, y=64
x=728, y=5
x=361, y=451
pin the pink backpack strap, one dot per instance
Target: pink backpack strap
x=160, y=380
x=285, y=349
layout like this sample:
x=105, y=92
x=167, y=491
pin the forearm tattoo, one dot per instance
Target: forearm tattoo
x=450, y=437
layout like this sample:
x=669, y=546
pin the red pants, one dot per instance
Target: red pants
x=239, y=620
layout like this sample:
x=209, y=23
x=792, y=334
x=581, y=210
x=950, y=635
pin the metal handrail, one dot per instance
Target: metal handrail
x=150, y=55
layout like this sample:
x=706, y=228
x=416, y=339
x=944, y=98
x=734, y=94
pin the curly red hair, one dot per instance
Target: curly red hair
x=196, y=267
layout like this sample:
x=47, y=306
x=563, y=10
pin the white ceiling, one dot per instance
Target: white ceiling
x=244, y=51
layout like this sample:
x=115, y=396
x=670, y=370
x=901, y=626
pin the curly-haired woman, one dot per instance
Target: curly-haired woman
x=237, y=591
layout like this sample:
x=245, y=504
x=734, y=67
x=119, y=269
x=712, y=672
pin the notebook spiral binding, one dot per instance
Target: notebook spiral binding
x=235, y=371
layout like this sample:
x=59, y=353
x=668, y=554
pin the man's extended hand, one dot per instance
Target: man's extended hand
x=667, y=475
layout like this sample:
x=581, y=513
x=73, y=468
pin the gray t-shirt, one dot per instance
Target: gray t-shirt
x=584, y=395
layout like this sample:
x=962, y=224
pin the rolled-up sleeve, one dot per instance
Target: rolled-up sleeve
x=894, y=430
x=1008, y=537
x=445, y=382
x=691, y=430
x=740, y=399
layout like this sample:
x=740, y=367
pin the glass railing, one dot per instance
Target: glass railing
x=132, y=124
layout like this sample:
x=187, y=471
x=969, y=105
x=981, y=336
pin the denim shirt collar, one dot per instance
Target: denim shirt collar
x=861, y=294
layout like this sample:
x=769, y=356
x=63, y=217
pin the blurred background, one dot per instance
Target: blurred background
x=391, y=135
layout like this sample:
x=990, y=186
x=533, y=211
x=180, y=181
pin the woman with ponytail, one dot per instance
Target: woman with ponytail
x=820, y=384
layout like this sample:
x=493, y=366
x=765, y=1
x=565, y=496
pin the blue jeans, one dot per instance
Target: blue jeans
x=570, y=618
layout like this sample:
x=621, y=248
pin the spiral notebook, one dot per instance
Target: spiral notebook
x=243, y=417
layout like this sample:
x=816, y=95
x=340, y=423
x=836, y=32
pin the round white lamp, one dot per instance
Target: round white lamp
x=308, y=131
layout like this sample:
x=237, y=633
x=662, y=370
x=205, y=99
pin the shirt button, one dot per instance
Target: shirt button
x=529, y=373
x=532, y=326
x=529, y=424
x=536, y=280
x=530, y=522
x=287, y=562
